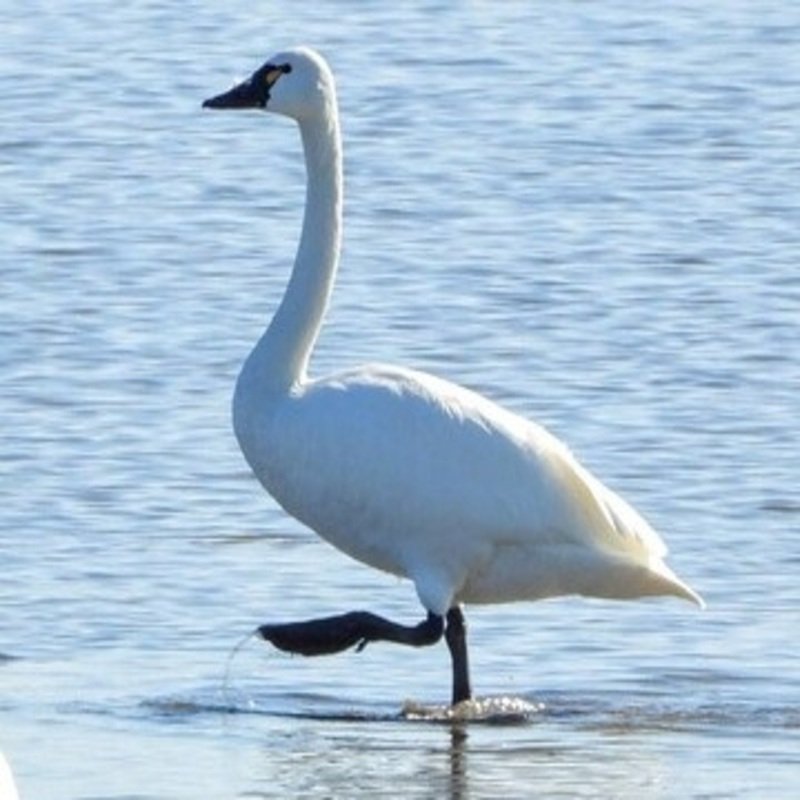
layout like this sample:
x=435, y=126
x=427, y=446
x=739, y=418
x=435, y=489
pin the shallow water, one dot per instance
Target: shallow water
x=588, y=211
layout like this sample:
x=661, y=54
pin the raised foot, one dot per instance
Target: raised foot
x=328, y=635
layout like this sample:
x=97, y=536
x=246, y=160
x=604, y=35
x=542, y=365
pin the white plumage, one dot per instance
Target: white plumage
x=8, y=789
x=404, y=471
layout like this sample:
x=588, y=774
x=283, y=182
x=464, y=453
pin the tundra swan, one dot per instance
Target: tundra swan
x=404, y=471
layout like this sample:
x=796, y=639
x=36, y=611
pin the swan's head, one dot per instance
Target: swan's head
x=296, y=83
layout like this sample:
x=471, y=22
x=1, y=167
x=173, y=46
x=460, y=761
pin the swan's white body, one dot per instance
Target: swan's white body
x=409, y=473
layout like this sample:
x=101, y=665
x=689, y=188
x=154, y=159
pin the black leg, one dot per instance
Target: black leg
x=318, y=637
x=456, y=637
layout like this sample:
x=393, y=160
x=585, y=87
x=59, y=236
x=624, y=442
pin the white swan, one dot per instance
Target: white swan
x=8, y=789
x=404, y=471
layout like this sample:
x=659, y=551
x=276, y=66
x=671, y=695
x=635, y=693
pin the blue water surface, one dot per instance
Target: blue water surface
x=588, y=211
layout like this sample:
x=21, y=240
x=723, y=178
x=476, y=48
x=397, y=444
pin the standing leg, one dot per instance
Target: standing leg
x=456, y=637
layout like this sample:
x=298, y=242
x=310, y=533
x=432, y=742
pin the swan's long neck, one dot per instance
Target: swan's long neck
x=280, y=358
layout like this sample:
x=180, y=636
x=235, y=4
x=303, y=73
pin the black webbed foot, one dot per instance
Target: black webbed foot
x=328, y=635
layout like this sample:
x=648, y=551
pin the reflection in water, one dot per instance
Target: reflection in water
x=582, y=747
x=459, y=785
x=391, y=756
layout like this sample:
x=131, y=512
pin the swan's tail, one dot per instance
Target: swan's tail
x=627, y=579
x=664, y=581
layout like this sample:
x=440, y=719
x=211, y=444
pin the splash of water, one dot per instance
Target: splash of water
x=226, y=691
x=502, y=710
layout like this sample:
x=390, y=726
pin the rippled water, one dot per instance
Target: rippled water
x=588, y=211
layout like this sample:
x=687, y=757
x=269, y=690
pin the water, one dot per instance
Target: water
x=588, y=211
